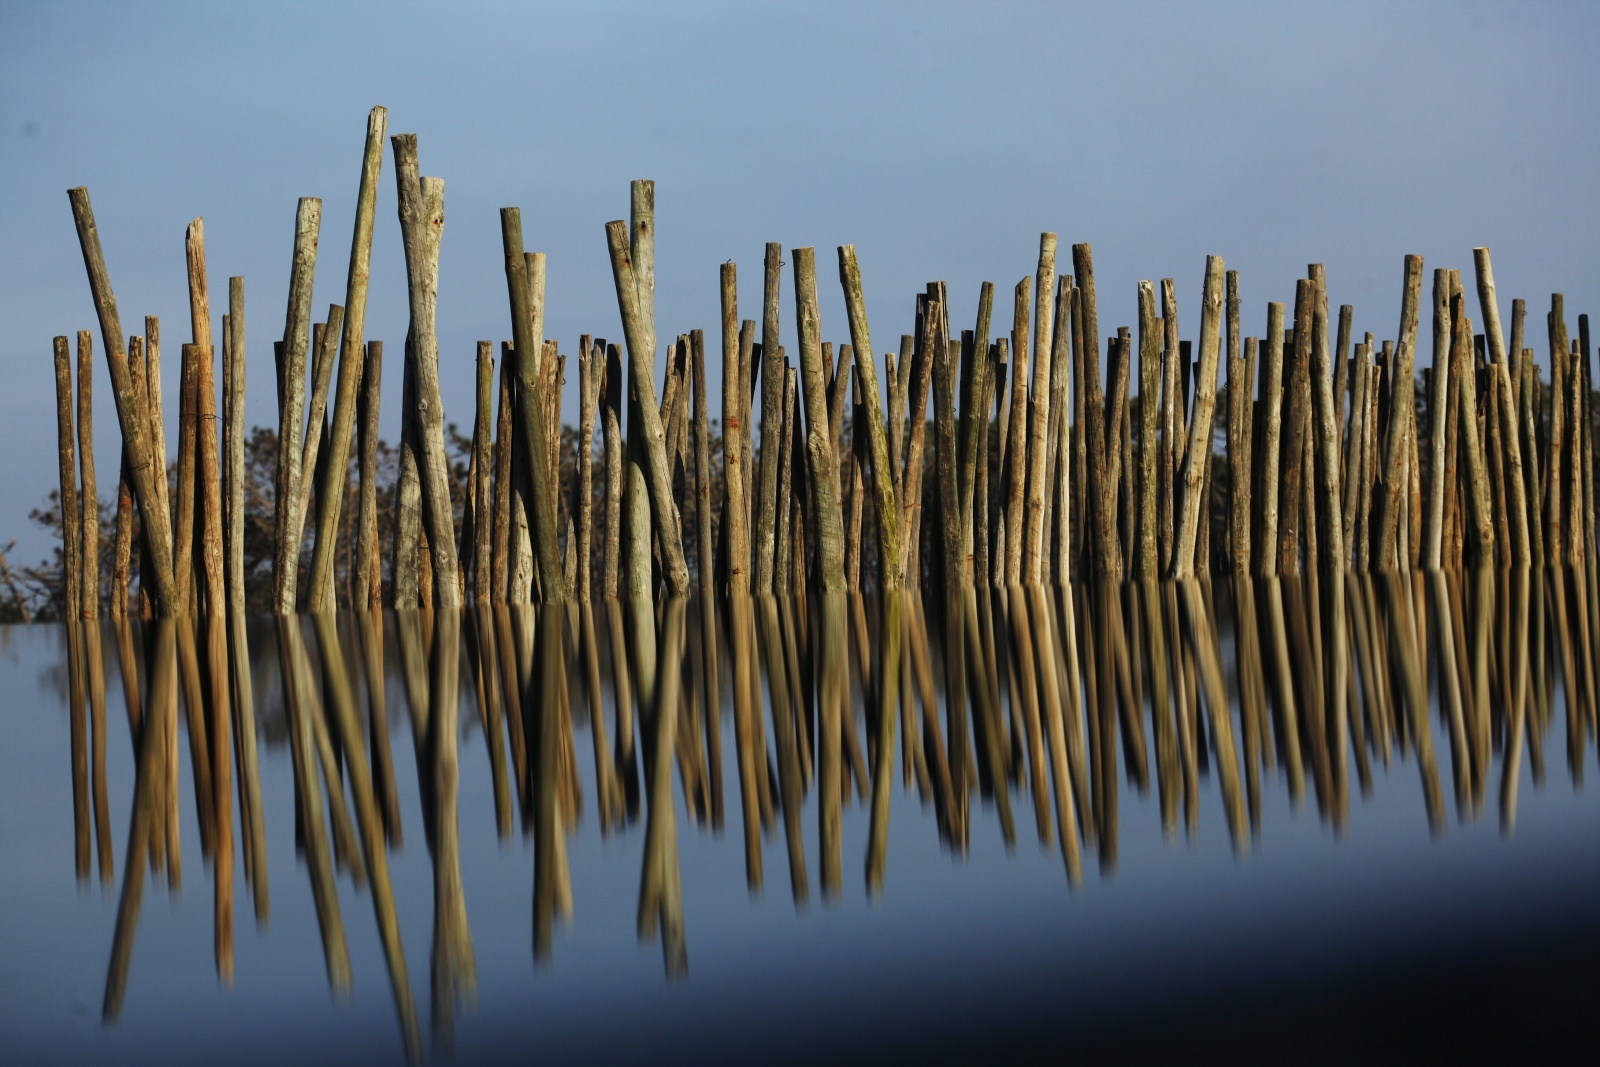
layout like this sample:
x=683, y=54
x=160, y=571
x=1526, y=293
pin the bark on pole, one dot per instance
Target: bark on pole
x=67, y=453
x=530, y=415
x=772, y=372
x=1438, y=396
x=148, y=389
x=209, y=470
x=233, y=394
x=1033, y=532
x=1107, y=551
x=421, y=226
x=641, y=362
x=1272, y=430
x=1477, y=466
x=886, y=507
x=1149, y=413
x=702, y=475
x=611, y=433
x=818, y=438
x=735, y=534
x=1517, y=505
x=1293, y=477
x=1193, y=510
x=291, y=404
x=323, y=338
x=369, y=572
x=88, y=606
x=352, y=350
x=591, y=364
x=1331, y=532
x=479, y=493
x=1017, y=461
x=148, y=468
x=1403, y=388
x=1171, y=402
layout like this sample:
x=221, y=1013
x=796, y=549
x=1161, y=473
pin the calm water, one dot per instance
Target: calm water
x=1268, y=820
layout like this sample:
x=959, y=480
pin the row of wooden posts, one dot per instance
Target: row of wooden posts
x=1329, y=461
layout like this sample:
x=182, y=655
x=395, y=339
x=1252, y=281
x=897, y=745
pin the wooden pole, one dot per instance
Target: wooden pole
x=611, y=432
x=1107, y=552
x=421, y=202
x=1272, y=430
x=480, y=492
x=330, y=492
x=641, y=364
x=209, y=469
x=735, y=532
x=529, y=339
x=1331, y=531
x=183, y=512
x=591, y=364
x=819, y=442
x=1016, y=485
x=702, y=479
x=1033, y=531
x=369, y=570
x=1438, y=394
x=89, y=499
x=772, y=401
x=1472, y=445
x=233, y=378
x=1194, y=509
x=1171, y=418
x=886, y=507
x=291, y=405
x=66, y=451
x=150, y=468
x=1403, y=388
x=1294, y=438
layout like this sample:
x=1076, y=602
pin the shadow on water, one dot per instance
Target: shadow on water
x=1040, y=704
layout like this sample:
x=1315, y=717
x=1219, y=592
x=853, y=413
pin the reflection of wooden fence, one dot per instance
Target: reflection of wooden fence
x=1035, y=473
x=1050, y=698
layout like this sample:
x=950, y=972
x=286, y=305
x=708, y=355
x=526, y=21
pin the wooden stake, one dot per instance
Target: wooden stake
x=1404, y=389
x=421, y=225
x=772, y=401
x=882, y=461
x=1149, y=414
x=330, y=492
x=291, y=405
x=66, y=451
x=1272, y=430
x=88, y=606
x=150, y=469
x=1194, y=509
x=735, y=532
x=369, y=569
x=528, y=335
x=641, y=364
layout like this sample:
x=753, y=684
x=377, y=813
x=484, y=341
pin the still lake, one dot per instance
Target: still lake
x=1300, y=823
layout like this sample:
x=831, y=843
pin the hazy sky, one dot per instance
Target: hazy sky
x=939, y=138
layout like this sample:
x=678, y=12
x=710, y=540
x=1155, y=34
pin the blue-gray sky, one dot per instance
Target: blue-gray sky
x=939, y=138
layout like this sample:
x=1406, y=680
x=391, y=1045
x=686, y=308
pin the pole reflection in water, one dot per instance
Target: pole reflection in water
x=1051, y=700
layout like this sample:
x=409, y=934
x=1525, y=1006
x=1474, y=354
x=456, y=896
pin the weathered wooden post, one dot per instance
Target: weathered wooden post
x=330, y=492
x=1194, y=508
x=291, y=405
x=135, y=428
x=887, y=508
x=421, y=226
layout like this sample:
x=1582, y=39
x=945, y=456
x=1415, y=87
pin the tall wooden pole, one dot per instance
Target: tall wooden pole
x=641, y=364
x=291, y=405
x=735, y=534
x=135, y=428
x=352, y=350
x=530, y=415
x=421, y=203
x=819, y=441
x=1403, y=391
x=887, y=508
x=1193, y=509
